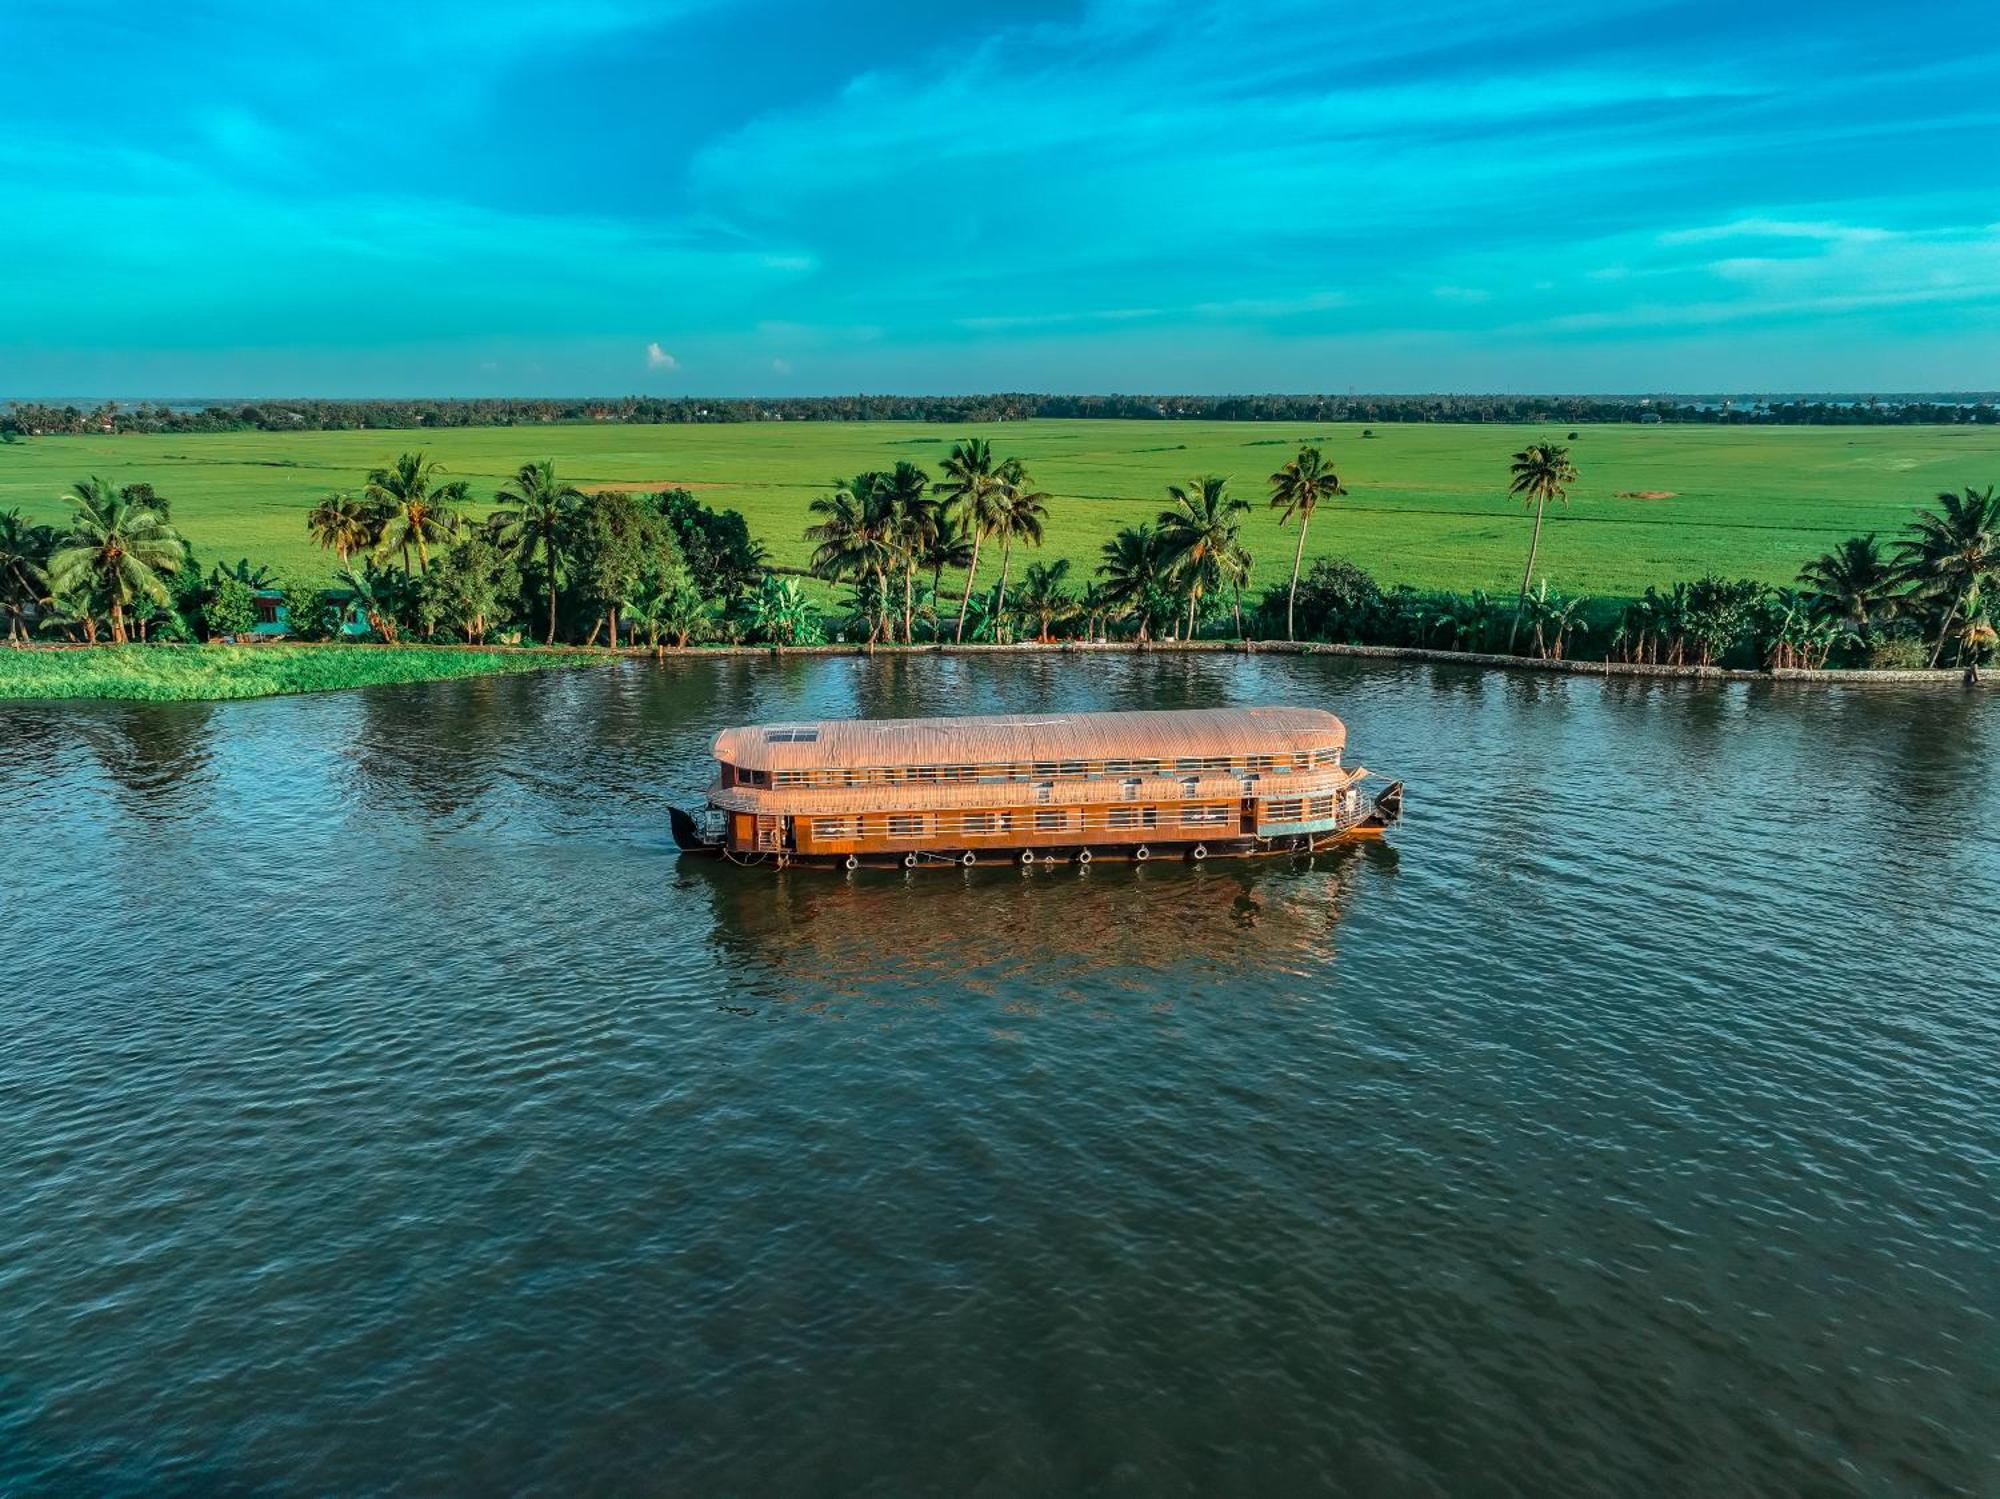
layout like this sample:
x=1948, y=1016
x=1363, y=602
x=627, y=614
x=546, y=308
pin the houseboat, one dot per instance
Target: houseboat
x=1027, y=789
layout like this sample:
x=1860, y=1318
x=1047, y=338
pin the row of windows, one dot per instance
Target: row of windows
x=995, y=824
x=1043, y=770
x=1313, y=809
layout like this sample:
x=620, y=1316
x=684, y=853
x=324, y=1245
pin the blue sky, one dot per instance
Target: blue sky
x=565, y=196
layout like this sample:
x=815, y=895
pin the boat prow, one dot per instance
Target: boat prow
x=1388, y=807
x=687, y=834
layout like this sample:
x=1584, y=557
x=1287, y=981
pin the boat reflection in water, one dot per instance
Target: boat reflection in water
x=864, y=941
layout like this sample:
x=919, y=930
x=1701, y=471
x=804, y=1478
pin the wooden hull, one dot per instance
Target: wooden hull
x=1385, y=812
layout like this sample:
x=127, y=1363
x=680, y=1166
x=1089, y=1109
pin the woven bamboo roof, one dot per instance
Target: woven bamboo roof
x=1014, y=739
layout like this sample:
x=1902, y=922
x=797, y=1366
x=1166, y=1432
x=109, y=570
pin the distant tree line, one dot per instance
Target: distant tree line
x=24, y=419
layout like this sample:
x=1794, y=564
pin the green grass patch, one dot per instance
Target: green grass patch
x=211, y=673
x=1427, y=504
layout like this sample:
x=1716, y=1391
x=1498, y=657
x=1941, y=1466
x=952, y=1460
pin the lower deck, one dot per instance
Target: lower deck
x=1078, y=834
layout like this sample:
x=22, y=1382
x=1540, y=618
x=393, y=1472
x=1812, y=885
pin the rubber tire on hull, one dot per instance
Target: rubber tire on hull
x=968, y=858
x=1141, y=854
x=850, y=863
x=909, y=861
x=1083, y=856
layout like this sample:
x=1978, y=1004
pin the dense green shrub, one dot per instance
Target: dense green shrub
x=189, y=673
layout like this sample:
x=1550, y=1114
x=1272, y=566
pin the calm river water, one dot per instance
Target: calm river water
x=383, y=1107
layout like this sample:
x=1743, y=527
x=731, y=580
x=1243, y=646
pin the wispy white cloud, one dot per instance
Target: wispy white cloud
x=658, y=359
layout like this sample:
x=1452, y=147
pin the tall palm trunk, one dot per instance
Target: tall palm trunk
x=1521, y=603
x=882, y=606
x=909, y=601
x=971, y=572
x=612, y=615
x=1298, y=556
x=1000, y=599
x=118, y=622
x=1944, y=632
x=549, y=554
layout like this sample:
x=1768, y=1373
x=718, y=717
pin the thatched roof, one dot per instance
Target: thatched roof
x=1016, y=739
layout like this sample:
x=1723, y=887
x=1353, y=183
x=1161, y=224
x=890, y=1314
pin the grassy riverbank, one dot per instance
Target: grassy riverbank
x=1426, y=504
x=209, y=673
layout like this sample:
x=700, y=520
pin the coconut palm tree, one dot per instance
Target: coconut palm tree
x=971, y=488
x=23, y=548
x=1298, y=489
x=416, y=509
x=1974, y=634
x=854, y=538
x=1045, y=598
x=342, y=525
x=1093, y=602
x=950, y=545
x=1134, y=570
x=1019, y=511
x=913, y=527
x=1854, y=583
x=535, y=518
x=1541, y=472
x=1202, y=536
x=116, y=548
x=1950, y=554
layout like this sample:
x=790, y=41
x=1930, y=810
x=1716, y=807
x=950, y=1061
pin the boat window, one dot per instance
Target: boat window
x=832, y=827
x=1199, y=817
x=1130, y=790
x=1286, y=811
x=906, y=826
x=1322, y=807
x=1190, y=785
x=1051, y=820
x=1044, y=790
x=791, y=736
x=1260, y=762
x=1073, y=767
x=979, y=822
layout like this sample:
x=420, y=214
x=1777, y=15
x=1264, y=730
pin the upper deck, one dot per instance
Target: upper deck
x=799, y=753
x=1077, y=758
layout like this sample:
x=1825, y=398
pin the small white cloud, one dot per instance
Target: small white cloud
x=1821, y=230
x=781, y=366
x=658, y=358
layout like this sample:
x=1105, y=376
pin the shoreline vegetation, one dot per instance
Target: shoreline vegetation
x=219, y=673
x=895, y=559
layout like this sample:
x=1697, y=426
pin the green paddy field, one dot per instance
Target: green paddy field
x=1427, y=504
